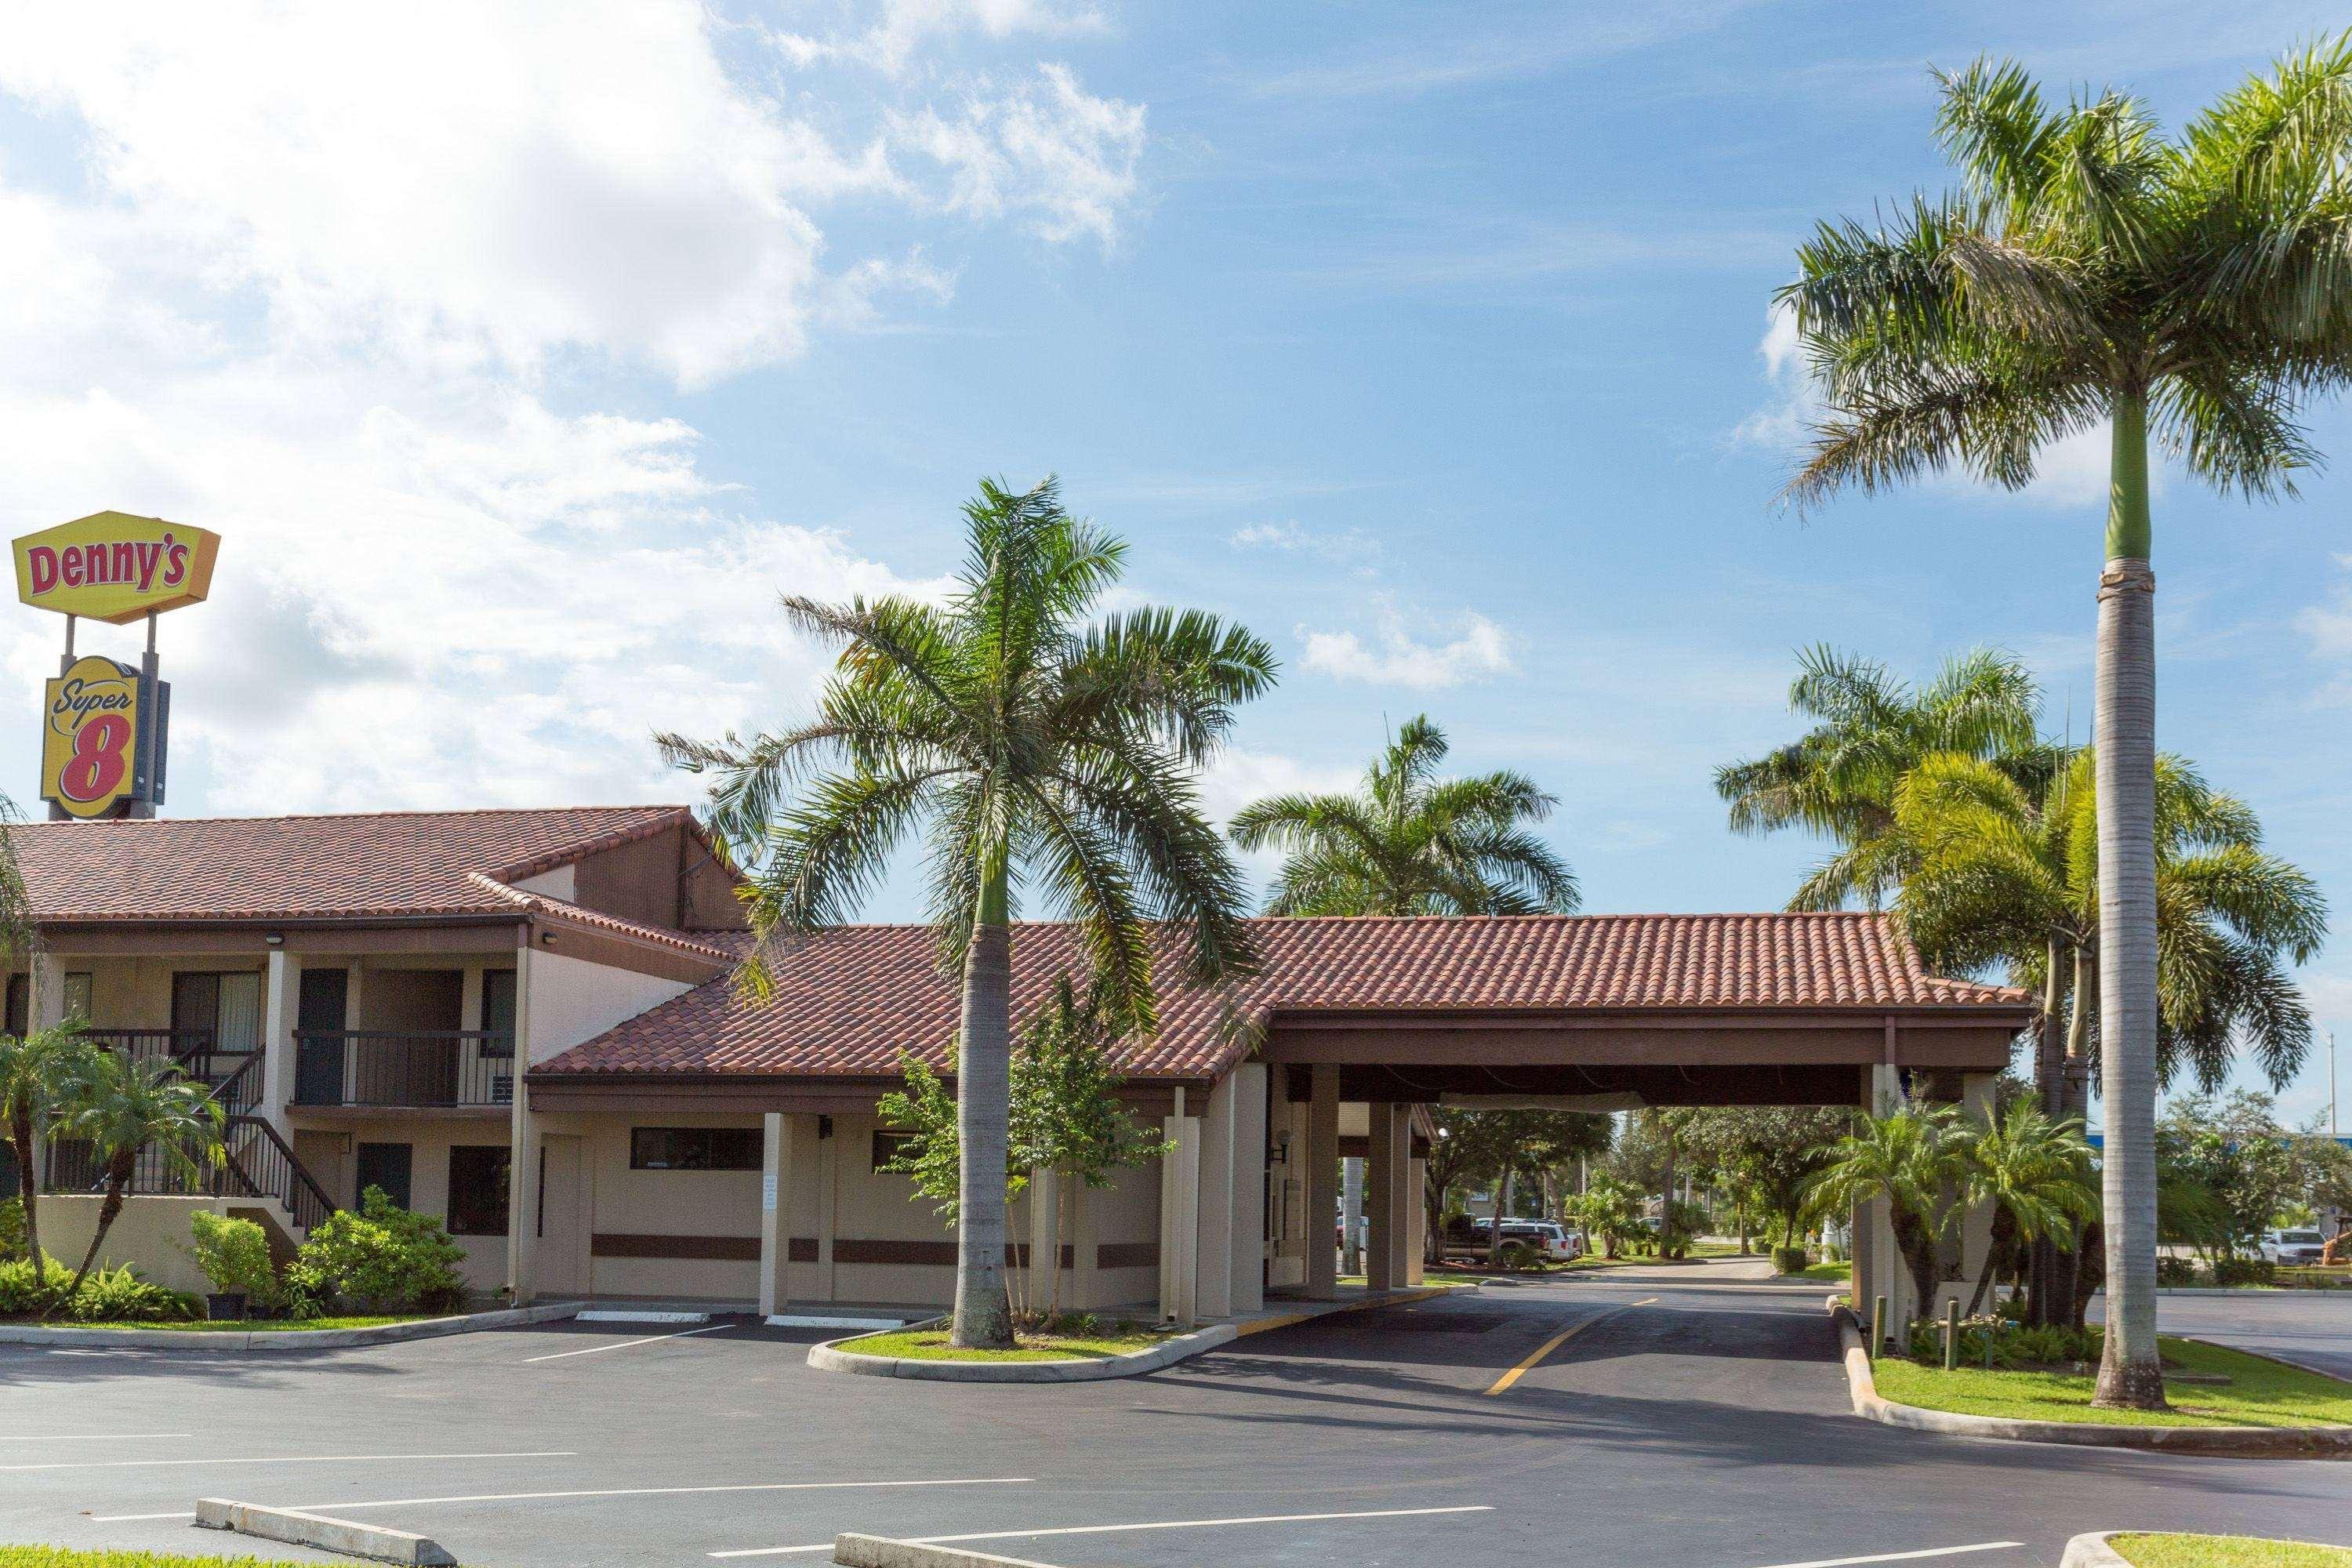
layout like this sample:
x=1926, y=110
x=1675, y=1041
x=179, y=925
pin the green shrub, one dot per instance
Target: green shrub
x=1788, y=1260
x=2175, y=1271
x=24, y=1293
x=2233, y=1271
x=119, y=1296
x=381, y=1259
x=2014, y=1344
x=12, y=1229
x=234, y=1253
x=1514, y=1255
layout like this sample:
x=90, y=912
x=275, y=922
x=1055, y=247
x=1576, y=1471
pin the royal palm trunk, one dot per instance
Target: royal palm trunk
x=983, y=1318
x=20, y=1138
x=2129, y=1373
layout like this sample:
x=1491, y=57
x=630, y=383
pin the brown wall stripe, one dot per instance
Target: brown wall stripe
x=1127, y=1255
x=728, y=1248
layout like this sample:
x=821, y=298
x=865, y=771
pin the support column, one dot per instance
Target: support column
x=1220, y=1158
x=1883, y=1273
x=1322, y=1175
x=1245, y=1191
x=775, y=1213
x=1351, y=1215
x=1977, y=1100
x=1386, y=1177
x=45, y=1008
x=1046, y=1196
x=1417, y=1244
x=279, y=975
x=1180, y=1214
x=523, y=1142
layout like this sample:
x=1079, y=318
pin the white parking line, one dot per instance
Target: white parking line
x=90, y=1436
x=1116, y=1529
x=624, y=1344
x=610, y=1491
x=284, y=1460
x=1902, y=1556
x=636, y=1317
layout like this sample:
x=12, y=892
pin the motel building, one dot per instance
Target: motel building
x=523, y=1023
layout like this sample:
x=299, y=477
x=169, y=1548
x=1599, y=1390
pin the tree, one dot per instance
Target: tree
x=1914, y=1159
x=2033, y=1173
x=1870, y=728
x=38, y=1075
x=1506, y=1144
x=2003, y=877
x=2236, y=1154
x=1771, y=1153
x=1078, y=1128
x=1035, y=750
x=1410, y=843
x=1609, y=1207
x=125, y=1107
x=2091, y=271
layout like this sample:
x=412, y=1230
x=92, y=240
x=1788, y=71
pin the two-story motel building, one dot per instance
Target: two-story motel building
x=524, y=1022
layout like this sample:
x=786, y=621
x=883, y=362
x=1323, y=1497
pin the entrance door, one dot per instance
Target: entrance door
x=385, y=1165
x=562, y=1222
x=319, y=1010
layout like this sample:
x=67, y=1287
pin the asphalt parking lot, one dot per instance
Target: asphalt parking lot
x=1687, y=1417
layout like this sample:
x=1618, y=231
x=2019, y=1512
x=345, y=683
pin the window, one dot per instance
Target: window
x=19, y=1020
x=498, y=1010
x=477, y=1189
x=384, y=1165
x=226, y=1007
x=694, y=1149
x=888, y=1146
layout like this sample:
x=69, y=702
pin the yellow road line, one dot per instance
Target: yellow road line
x=1560, y=1339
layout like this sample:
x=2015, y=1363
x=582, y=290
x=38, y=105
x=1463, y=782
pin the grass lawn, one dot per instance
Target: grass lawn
x=1831, y=1273
x=64, y=1557
x=257, y=1325
x=2226, y=1552
x=931, y=1344
x=2259, y=1392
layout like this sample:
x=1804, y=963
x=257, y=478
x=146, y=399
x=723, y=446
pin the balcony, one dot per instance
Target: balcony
x=432, y=1069
x=234, y=1077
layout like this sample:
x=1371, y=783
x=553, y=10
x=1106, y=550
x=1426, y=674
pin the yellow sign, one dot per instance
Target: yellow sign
x=89, y=735
x=112, y=567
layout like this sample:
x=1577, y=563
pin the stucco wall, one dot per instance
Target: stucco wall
x=151, y=1234
x=332, y=1155
x=1291, y=1226
x=573, y=1000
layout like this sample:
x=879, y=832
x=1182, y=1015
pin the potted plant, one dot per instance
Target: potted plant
x=234, y=1253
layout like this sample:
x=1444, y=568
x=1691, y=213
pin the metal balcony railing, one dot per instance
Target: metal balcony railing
x=409, y=1069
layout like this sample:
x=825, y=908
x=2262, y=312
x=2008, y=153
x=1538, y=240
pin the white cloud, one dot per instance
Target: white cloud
x=1396, y=657
x=1342, y=546
x=906, y=25
x=1044, y=148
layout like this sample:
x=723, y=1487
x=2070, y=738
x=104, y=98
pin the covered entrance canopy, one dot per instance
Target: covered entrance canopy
x=1380, y=1016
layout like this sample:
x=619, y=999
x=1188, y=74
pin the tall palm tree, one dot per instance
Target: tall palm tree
x=2088, y=271
x=1914, y=1159
x=1870, y=728
x=39, y=1072
x=125, y=1107
x=2035, y=1174
x=1033, y=748
x=1410, y=842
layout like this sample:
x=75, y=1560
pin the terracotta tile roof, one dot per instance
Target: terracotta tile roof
x=382, y=865
x=846, y=1001
x=721, y=947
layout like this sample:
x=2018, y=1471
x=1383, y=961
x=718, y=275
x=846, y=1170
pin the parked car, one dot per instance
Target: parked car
x=2291, y=1245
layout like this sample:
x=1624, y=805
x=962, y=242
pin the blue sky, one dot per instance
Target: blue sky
x=520, y=360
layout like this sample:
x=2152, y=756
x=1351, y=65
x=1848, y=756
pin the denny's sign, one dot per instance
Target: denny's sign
x=112, y=567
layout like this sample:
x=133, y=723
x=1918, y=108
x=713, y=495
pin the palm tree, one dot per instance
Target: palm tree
x=1410, y=843
x=1913, y=1159
x=2091, y=272
x=2001, y=877
x=125, y=1107
x=1870, y=728
x=1033, y=749
x=2035, y=1174
x=37, y=1076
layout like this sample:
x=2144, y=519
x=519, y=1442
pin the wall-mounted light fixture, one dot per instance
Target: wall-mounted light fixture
x=547, y=938
x=273, y=939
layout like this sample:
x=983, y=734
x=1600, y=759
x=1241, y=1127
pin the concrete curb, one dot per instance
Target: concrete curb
x=284, y=1338
x=2092, y=1551
x=2229, y=1442
x=879, y=1552
x=830, y=1357
x=316, y=1530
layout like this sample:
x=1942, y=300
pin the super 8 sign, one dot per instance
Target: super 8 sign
x=90, y=737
